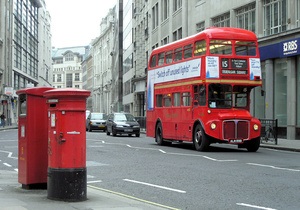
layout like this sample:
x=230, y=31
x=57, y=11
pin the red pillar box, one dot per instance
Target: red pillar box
x=32, y=138
x=67, y=144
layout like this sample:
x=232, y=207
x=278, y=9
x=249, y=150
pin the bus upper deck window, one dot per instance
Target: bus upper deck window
x=220, y=47
x=178, y=54
x=161, y=58
x=153, y=61
x=169, y=57
x=187, y=51
x=200, y=48
x=245, y=48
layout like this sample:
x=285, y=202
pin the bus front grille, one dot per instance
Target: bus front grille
x=235, y=129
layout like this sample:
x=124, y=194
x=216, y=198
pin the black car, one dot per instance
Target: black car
x=96, y=121
x=122, y=123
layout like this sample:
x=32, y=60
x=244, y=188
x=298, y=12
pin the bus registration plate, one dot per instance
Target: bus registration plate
x=236, y=141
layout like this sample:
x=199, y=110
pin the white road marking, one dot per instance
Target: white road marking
x=7, y=164
x=274, y=167
x=17, y=170
x=254, y=206
x=162, y=151
x=96, y=181
x=9, y=154
x=209, y=158
x=153, y=185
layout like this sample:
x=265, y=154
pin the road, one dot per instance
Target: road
x=182, y=178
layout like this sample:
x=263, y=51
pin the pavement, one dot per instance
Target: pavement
x=14, y=197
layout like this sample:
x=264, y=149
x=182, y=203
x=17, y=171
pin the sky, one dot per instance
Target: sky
x=76, y=22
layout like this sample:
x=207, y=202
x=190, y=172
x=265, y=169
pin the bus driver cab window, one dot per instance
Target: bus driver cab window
x=200, y=95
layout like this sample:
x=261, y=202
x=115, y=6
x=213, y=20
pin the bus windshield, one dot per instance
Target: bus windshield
x=226, y=96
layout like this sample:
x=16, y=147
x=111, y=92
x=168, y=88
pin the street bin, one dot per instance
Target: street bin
x=32, y=138
x=67, y=175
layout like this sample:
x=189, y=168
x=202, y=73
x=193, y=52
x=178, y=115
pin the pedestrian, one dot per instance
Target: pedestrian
x=2, y=117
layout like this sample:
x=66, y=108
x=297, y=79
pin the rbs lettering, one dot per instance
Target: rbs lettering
x=290, y=46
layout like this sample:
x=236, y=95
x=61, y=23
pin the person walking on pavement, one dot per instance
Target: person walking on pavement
x=2, y=117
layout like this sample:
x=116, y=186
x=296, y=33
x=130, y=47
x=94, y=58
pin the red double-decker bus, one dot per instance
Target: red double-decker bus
x=198, y=89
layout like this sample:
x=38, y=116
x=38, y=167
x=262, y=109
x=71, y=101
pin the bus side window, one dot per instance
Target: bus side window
x=161, y=58
x=178, y=54
x=187, y=51
x=167, y=100
x=200, y=48
x=159, y=100
x=176, y=99
x=153, y=61
x=169, y=55
x=186, y=99
x=202, y=95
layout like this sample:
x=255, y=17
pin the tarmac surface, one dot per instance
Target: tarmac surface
x=14, y=197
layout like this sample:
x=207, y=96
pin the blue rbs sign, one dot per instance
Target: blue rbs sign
x=280, y=50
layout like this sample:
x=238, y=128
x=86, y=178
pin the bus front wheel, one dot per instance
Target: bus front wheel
x=201, y=142
x=253, y=145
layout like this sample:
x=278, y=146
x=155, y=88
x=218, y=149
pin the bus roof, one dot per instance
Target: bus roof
x=213, y=33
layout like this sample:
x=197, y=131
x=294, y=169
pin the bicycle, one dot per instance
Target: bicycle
x=269, y=134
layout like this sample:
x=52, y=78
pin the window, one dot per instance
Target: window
x=245, y=17
x=176, y=99
x=165, y=9
x=222, y=20
x=178, y=54
x=177, y=34
x=165, y=40
x=153, y=61
x=69, y=80
x=161, y=58
x=245, y=48
x=77, y=77
x=177, y=4
x=187, y=51
x=155, y=16
x=200, y=48
x=58, y=77
x=159, y=100
x=220, y=47
x=298, y=13
x=199, y=95
x=275, y=17
x=169, y=55
x=200, y=26
x=69, y=57
x=167, y=100
x=186, y=99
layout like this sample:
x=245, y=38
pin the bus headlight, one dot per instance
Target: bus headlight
x=213, y=126
x=255, y=127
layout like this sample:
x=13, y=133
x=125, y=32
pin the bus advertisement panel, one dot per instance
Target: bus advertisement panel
x=198, y=89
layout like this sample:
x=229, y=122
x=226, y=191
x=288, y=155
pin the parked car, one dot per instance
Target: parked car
x=96, y=121
x=122, y=123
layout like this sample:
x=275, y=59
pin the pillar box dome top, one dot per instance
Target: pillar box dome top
x=36, y=91
x=67, y=93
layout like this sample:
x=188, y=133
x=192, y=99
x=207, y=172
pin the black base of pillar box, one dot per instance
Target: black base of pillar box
x=37, y=186
x=67, y=184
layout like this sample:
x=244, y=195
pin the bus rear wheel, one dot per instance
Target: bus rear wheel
x=201, y=142
x=159, y=135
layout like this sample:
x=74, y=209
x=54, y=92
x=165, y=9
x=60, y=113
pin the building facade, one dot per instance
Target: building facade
x=276, y=24
x=67, y=66
x=101, y=52
x=25, y=46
